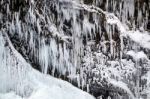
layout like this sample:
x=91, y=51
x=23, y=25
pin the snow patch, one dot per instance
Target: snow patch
x=142, y=38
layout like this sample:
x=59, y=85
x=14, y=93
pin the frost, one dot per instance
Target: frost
x=86, y=42
x=123, y=86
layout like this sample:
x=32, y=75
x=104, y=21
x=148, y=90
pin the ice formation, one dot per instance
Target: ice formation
x=90, y=44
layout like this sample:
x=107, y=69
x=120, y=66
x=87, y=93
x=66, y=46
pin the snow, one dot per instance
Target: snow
x=47, y=87
x=141, y=38
x=20, y=80
x=56, y=89
x=10, y=95
x=137, y=55
x=111, y=18
x=28, y=83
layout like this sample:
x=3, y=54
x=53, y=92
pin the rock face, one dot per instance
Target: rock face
x=91, y=43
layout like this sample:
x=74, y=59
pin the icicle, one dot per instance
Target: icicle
x=43, y=55
x=38, y=26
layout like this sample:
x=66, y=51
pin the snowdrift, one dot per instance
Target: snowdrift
x=47, y=87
